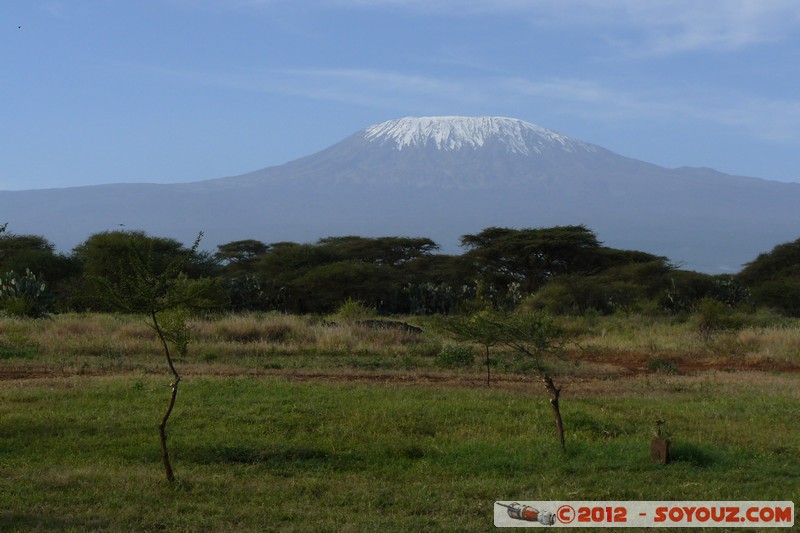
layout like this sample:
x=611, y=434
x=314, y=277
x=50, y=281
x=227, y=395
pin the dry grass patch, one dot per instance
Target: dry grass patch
x=133, y=330
x=608, y=346
x=647, y=337
x=773, y=343
x=251, y=328
x=93, y=335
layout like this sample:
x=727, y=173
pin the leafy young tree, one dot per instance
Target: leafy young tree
x=531, y=334
x=479, y=328
x=163, y=292
x=535, y=335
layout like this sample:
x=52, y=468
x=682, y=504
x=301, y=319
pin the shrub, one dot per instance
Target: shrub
x=454, y=356
x=15, y=342
x=712, y=315
x=352, y=311
x=240, y=329
x=782, y=295
x=424, y=348
x=579, y=295
x=664, y=366
x=281, y=328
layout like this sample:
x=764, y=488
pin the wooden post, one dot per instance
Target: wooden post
x=659, y=450
x=659, y=446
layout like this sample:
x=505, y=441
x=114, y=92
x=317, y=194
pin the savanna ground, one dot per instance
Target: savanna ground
x=294, y=423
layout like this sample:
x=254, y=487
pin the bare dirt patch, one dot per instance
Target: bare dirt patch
x=607, y=375
x=28, y=372
x=21, y=373
x=574, y=386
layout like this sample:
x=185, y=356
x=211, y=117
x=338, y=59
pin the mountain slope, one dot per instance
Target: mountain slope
x=441, y=177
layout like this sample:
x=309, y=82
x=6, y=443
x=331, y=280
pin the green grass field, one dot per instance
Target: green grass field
x=268, y=453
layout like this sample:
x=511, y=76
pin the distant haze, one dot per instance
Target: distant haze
x=441, y=177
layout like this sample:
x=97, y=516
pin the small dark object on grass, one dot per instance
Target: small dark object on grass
x=389, y=324
x=663, y=366
x=659, y=446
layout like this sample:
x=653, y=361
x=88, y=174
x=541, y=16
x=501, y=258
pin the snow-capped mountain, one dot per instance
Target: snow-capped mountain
x=455, y=133
x=449, y=152
x=441, y=177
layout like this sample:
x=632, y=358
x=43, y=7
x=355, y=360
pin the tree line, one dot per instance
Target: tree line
x=562, y=269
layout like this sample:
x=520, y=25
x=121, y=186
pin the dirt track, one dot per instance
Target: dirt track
x=598, y=377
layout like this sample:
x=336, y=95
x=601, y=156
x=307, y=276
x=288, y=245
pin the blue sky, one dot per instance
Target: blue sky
x=107, y=91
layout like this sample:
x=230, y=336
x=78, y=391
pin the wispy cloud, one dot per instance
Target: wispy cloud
x=685, y=25
x=767, y=119
x=653, y=26
x=772, y=120
x=649, y=26
x=776, y=120
x=367, y=87
x=55, y=9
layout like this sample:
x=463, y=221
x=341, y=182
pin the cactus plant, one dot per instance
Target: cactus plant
x=24, y=295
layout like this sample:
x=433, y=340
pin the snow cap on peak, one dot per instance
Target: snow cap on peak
x=455, y=133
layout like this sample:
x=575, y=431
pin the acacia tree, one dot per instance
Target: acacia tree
x=535, y=335
x=531, y=334
x=773, y=278
x=530, y=257
x=239, y=256
x=479, y=328
x=163, y=294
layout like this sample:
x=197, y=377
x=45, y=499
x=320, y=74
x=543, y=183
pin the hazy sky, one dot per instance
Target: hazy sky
x=104, y=91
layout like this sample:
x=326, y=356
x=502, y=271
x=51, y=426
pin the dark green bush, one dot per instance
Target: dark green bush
x=664, y=366
x=24, y=295
x=712, y=315
x=455, y=356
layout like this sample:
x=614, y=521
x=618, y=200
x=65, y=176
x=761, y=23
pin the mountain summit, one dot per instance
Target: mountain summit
x=456, y=133
x=451, y=152
x=441, y=177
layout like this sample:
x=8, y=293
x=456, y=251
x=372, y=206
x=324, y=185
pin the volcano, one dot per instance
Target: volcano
x=441, y=177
